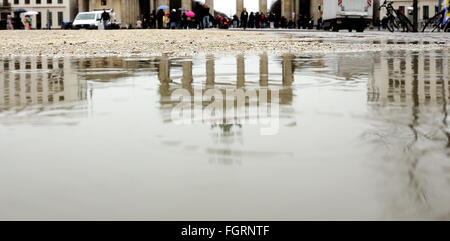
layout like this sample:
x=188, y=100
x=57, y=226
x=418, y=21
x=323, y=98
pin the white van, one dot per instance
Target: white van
x=347, y=14
x=91, y=20
x=87, y=20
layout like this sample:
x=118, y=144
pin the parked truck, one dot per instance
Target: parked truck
x=347, y=14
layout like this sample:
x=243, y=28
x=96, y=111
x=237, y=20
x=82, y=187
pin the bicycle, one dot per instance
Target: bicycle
x=438, y=22
x=395, y=19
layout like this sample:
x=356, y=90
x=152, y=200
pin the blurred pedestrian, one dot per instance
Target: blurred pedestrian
x=206, y=15
x=251, y=20
x=244, y=18
x=160, y=18
x=105, y=18
x=9, y=23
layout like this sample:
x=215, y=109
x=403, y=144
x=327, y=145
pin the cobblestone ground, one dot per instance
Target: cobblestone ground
x=191, y=42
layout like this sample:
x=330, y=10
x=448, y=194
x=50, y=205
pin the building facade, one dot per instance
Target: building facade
x=51, y=13
x=5, y=9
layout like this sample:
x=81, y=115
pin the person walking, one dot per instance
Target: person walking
x=199, y=14
x=105, y=18
x=244, y=18
x=272, y=20
x=9, y=23
x=160, y=18
x=251, y=20
x=173, y=19
x=206, y=15
x=235, y=21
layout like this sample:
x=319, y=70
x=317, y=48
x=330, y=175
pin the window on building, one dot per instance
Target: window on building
x=60, y=18
x=16, y=1
x=60, y=1
x=38, y=1
x=49, y=1
x=27, y=1
x=104, y=3
x=426, y=12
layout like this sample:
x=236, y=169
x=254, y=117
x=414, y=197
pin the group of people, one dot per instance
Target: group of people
x=177, y=19
x=17, y=23
x=202, y=18
x=273, y=20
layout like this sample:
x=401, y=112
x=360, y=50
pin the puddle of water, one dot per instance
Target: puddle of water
x=361, y=136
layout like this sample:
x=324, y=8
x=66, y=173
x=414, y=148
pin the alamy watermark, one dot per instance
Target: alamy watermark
x=214, y=106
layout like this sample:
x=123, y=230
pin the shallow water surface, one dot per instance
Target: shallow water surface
x=360, y=136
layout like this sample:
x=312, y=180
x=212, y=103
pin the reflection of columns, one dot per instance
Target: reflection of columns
x=288, y=74
x=186, y=4
x=240, y=70
x=286, y=9
x=210, y=71
x=239, y=7
x=286, y=94
x=187, y=74
x=263, y=70
x=164, y=70
x=263, y=6
x=211, y=6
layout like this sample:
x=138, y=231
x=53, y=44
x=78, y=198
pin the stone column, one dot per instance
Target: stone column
x=286, y=9
x=239, y=7
x=314, y=10
x=211, y=6
x=186, y=4
x=123, y=14
x=92, y=4
x=163, y=2
x=82, y=6
x=152, y=5
x=263, y=6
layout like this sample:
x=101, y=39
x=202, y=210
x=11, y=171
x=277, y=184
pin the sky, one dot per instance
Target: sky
x=229, y=6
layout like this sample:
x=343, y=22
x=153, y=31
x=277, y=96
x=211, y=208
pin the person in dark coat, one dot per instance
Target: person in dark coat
x=251, y=20
x=160, y=18
x=257, y=20
x=244, y=18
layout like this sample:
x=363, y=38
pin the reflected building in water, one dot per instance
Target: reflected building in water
x=219, y=74
x=421, y=77
x=39, y=81
x=408, y=97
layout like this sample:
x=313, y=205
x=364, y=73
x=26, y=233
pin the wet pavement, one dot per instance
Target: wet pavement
x=361, y=136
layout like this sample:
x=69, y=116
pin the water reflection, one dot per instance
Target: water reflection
x=227, y=135
x=366, y=132
x=409, y=95
x=38, y=81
